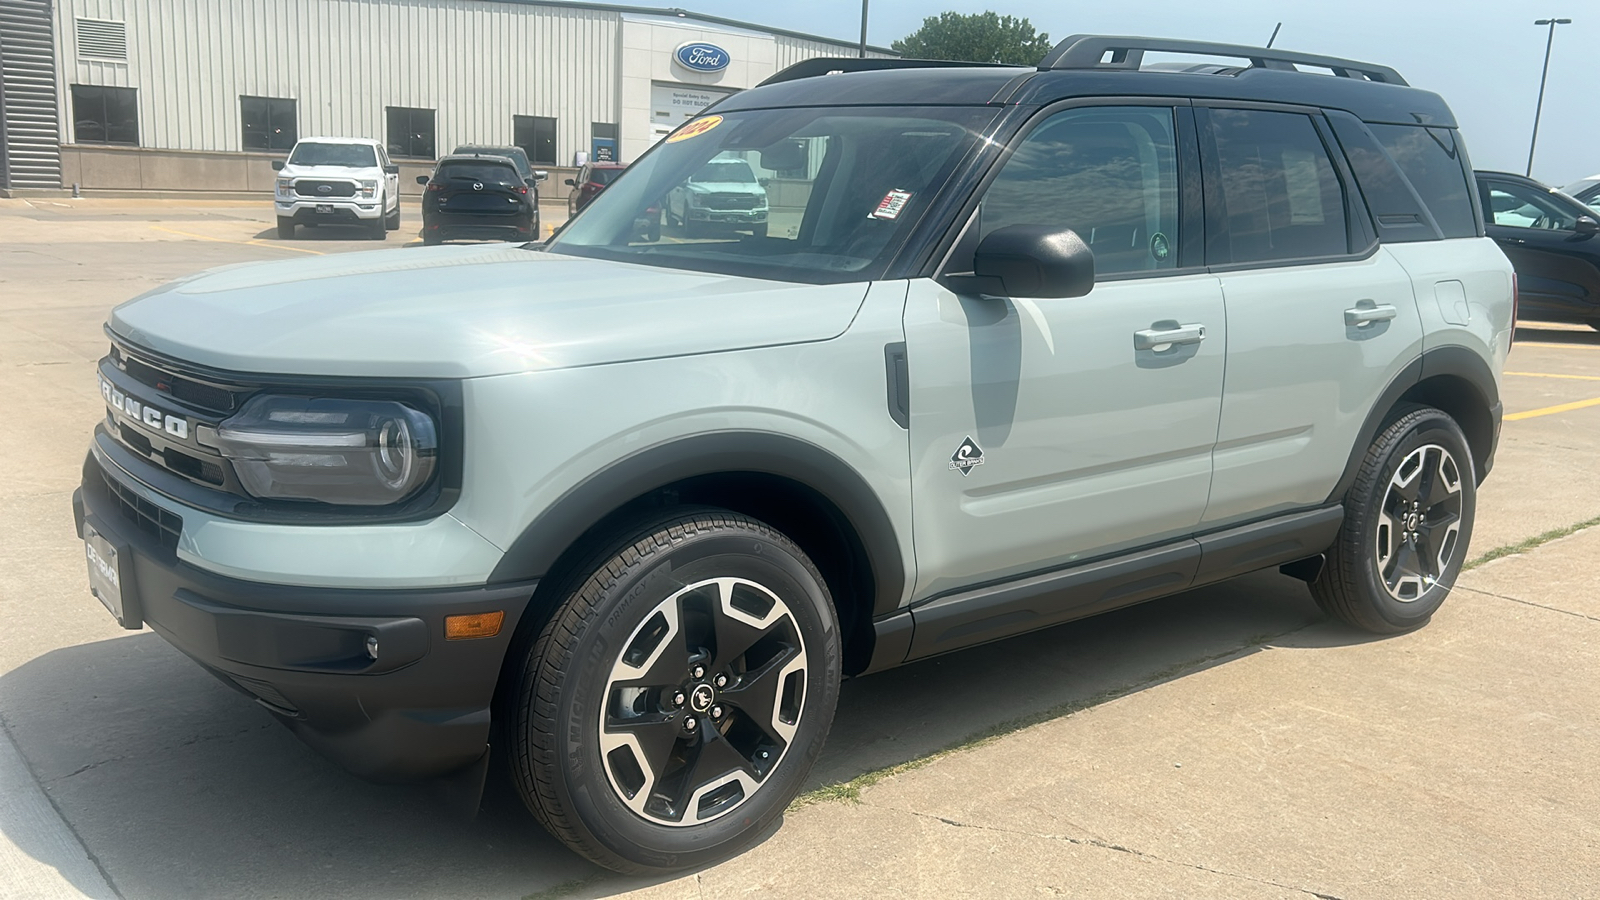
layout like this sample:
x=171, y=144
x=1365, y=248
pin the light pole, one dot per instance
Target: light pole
x=864, y=29
x=1539, y=110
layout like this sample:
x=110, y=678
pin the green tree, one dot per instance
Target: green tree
x=980, y=37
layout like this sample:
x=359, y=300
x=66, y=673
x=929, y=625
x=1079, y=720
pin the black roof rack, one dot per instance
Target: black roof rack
x=830, y=65
x=1089, y=51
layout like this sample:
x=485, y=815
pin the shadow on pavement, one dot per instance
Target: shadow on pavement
x=180, y=787
x=1533, y=332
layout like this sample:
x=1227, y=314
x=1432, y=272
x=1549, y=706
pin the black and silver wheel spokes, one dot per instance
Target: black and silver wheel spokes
x=703, y=701
x=1419, y=522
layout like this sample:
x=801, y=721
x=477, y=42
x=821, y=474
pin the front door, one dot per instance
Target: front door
x=1557, y=272
x=1049, y=432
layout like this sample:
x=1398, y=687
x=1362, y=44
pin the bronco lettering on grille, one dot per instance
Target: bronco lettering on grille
x=154, y=419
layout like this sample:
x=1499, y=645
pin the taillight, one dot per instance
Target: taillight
x=1516, y=300
x=435, y=186
x=523, y=191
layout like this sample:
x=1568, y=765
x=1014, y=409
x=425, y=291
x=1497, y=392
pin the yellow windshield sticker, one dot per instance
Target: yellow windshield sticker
x=695, y=129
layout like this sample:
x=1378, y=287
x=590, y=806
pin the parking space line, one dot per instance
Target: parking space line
x=1553, y=375
x=1558, y=346
x=1551, y=410
x=202, y=237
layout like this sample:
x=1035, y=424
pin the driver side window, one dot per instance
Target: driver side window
x=1516, y=206
x=1108, y=173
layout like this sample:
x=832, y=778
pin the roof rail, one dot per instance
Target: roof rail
x=831, y=65
x=1089, y=51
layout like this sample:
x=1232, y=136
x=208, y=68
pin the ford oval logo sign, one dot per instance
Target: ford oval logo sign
x=699, y=56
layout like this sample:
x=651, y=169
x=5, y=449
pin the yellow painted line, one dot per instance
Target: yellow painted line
x=202, y=237
x=1553, y=375
x=1552, y=410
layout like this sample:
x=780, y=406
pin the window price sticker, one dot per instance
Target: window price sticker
x=892, y=204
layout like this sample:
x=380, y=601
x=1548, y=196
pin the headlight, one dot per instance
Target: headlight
x=285, y=185
x=696, y=200
x=369, y=188
x=351, y=452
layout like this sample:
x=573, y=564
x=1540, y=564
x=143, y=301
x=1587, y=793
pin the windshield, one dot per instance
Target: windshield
x=350, y=156
x=812, y=195
x=724, y=171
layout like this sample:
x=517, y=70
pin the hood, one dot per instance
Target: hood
x=462, y=312
x=725, y=187
x=333, y=172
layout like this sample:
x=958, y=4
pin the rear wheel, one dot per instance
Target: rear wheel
x=1408, y=519
x=674, y=704
x=285, y=227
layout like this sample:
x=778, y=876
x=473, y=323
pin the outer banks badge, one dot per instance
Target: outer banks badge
x=694, y=129
x=967, y=455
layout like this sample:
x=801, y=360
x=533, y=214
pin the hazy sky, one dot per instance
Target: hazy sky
x=1483, y=57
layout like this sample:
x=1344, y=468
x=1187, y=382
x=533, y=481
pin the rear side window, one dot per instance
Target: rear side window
x=1281, y=197
x=1431, y=161
x=1108, y=173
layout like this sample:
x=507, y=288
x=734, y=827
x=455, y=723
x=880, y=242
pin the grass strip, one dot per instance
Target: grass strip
x=850, y=791
x=1530, y=543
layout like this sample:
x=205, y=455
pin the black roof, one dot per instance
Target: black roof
x=1373, y=93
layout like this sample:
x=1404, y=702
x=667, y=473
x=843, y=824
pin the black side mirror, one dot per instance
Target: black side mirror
x=571, y=182
x=1041, y=262
x=422, y=179
x=391, y=170
x=1586, y=225
x=277, y=165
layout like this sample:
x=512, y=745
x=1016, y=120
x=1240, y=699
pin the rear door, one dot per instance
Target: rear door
x=1320, y=318
x=1558, y=269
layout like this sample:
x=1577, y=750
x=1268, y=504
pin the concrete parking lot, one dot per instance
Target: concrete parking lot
x=1229, y=742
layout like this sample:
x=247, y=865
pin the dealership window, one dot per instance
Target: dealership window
x=269, y=123
x=105, y=115
x=410, y=132
x=536, y=135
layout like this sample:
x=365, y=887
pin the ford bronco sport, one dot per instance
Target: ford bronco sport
x=1021, y=345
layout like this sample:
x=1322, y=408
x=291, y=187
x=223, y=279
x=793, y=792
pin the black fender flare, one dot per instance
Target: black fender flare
x=563, y=523
x=1456, y=361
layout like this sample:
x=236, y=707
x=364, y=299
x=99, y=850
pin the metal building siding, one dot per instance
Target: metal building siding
x=344, y=61
x=30, y=156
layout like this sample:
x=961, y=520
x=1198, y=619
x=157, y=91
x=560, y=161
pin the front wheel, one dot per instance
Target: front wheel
x=674, y=704
x=1408, y=519
x=378, y=229
x=285, y=227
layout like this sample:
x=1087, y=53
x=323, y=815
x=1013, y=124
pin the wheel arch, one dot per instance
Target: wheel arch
x=1453, y=379
x=802, y=490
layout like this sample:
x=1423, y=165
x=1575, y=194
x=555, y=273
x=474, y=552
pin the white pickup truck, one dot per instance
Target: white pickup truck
x=342, y=181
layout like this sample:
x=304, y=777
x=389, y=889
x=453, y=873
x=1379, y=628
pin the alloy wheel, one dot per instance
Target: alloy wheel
x=1419, y=522
x=703, y=702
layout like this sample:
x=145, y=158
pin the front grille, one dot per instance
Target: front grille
x=146, y=516
x=732, y=201
x=180, y=388
x=315, y=189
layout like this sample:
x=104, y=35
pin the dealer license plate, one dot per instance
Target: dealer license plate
x=324, y=209
x=104, y=577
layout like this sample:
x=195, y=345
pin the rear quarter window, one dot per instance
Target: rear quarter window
x=1432, y=161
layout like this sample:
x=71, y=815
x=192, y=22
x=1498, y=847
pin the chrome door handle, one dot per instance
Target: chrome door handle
x=1362, y=316
x=1151, y=338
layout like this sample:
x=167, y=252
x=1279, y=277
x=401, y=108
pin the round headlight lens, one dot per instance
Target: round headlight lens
x=396, y=457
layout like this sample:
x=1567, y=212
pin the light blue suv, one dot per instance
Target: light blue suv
x=1019, y=346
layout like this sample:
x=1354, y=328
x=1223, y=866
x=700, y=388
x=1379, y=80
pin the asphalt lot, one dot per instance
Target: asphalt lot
x=1229, y=742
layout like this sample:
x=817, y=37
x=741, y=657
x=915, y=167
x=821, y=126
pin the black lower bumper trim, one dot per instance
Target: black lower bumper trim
x=364, y=676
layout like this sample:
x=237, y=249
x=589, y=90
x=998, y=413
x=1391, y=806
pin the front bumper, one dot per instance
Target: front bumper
x=343, y=209
x=420, y=709
x=727, y=216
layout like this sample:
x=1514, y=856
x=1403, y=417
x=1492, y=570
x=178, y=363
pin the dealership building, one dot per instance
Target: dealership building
x=117, y=96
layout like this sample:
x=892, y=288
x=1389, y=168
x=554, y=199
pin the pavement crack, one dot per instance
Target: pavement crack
x=1118, y=848
x=1554, y=609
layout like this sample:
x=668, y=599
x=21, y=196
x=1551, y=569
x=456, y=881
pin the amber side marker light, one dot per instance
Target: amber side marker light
x=477, y=625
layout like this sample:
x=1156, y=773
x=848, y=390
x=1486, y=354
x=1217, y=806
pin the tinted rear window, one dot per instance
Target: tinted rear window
x=476, y=171
x=1282, y=197
x=1431, y=161
x=604, y=176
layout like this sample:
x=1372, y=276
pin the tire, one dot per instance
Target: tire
x=392, y=221
x=378, y=229
x=285, y=228
x=701, y=574
x=431, y=240
x=760, y=231
x=1377, y=577
x=652, y=229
